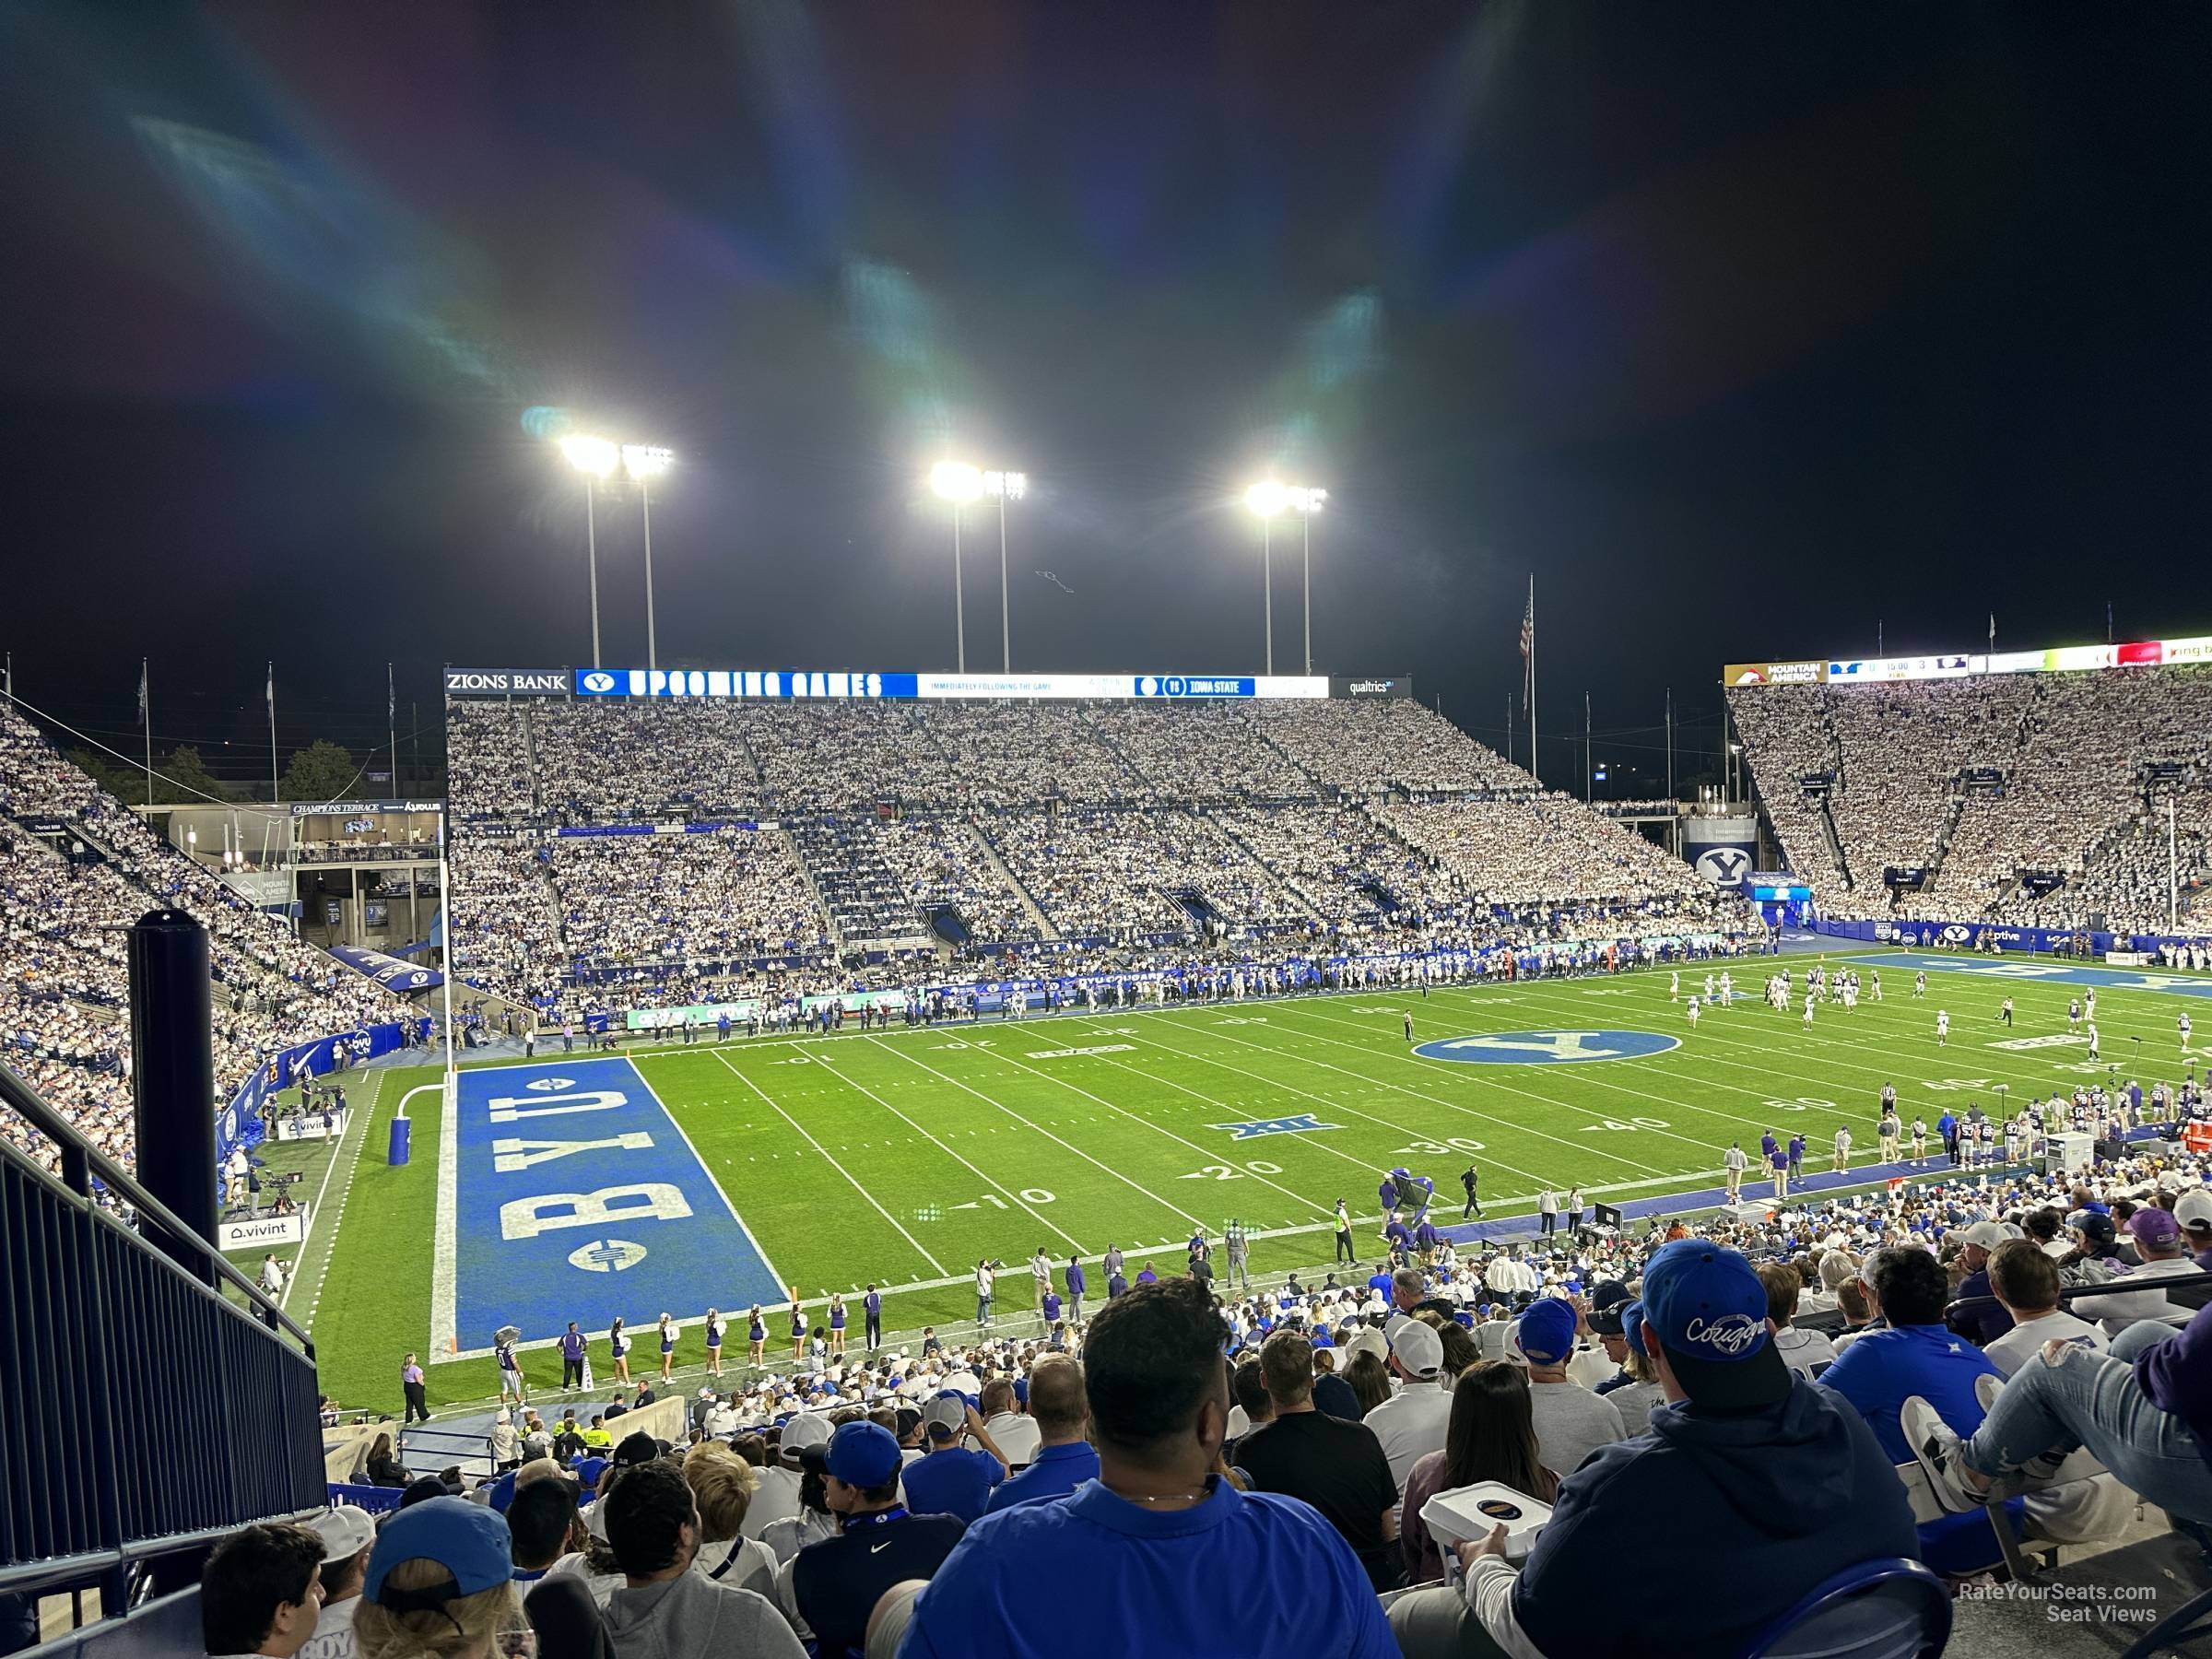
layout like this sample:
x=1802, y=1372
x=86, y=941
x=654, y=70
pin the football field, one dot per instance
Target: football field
x=673, y=1178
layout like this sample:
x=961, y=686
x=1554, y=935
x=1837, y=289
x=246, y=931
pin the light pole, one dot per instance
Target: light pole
x=959, y=484
x=645, y=462
x=594, y=458
x=1005, y=486
x=1266, y=498
x=1306, y=503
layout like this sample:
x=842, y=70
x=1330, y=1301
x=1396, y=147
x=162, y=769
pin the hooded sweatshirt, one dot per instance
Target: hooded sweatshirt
x=1695, y=1537
x=688, y=1616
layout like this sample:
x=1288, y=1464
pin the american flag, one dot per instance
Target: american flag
x=141, y=691
x=1528, y=642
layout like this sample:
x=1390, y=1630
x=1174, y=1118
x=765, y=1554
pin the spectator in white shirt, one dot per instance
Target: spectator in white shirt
x=1411, y=1424
x=2025, y=1280
x=1015, y=1435
x=1800, y=1350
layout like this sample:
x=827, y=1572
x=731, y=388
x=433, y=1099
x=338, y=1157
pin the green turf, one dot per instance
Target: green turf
x=926, y=1149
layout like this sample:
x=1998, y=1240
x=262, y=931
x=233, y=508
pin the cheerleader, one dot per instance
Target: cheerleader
x=756, y=1333
x=837, y=1325
x=670, y=1330
x=714, y=1342
x=798, y=1327
x=618, y=1344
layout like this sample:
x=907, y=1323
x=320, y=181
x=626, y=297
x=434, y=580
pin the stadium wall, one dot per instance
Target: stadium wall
x=238, y=1125
x=2028, y=939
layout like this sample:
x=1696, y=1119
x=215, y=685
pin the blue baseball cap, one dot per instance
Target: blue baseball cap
x=1545, y=1330
x=862, y=1454
x=469, y=1540
x=1631, y=1326
x=1709, y=1311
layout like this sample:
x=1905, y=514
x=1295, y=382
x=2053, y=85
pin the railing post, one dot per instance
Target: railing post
x=172, y=1080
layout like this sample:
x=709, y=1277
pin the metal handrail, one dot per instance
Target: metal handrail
x=81, y=1160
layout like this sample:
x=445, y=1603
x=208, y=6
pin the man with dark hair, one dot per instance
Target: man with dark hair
x=541, y=1521
x=1338, y=1467
x=1064, y=1459
x=1917, y=1355
x=1248, y=1393
x=262, y=1591
x=828, y=1589
x=1766, y=1483
x=664, y=1608
x=1157, y=1515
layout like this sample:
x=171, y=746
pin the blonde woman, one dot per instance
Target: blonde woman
x=618, y=1343
x=837, y=1325
x=670, y=1331
x=440, y=1585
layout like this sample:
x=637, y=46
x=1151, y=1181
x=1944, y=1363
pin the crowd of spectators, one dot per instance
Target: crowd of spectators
x=64, y=919
x=1361, y=745
x=942, y=862
x=1770, y=1386
x=1111, y=874
x=1520, y=851
x=1987, y=780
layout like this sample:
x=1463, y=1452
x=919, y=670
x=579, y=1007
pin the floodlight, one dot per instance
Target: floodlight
x=1266, y=497
x=646, y=460
x=593, y=456
x=1007, y=486
x=956, y=481
x=1304, y=500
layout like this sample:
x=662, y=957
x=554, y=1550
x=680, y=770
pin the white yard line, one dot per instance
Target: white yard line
x=1078, y=1152
x=841, y=1168
x=445, y=1336
x=711, y=1176
x=1006, y=1191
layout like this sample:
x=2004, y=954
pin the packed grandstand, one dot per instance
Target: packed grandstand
x=2038, y=799
x=617, y=855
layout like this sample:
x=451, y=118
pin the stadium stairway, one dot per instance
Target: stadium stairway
x=1028, y=902
x=1274, y=877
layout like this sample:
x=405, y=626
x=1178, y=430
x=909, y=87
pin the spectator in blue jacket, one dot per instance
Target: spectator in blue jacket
x=1064, y=1459
x=1695, y=1536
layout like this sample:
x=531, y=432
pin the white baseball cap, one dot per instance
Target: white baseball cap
x=345, y=1530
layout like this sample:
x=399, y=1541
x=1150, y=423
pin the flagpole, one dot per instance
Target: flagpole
x=1508, y=728
x=391, y=727
x=276, y=790
x=1589, y=777
x=145, y=719
x=1531, y=678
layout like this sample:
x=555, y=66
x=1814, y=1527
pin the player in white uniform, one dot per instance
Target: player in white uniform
x=2088, y=1005
x=1693, y=1010
x=1877, y=984
x=1674, y=986
x=1943, y=1029
x=1809, y=1011
x=2185, y=1028
x=2093, y=1054
x=1727, y=992
x=1920, y=983
x=2073, y=1014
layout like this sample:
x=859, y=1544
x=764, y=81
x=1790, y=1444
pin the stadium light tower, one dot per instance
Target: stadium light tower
x=1002, y=487
x=1306, y=501
x=594, y=458
x=959, y=483
x=1266, y=498
x=645, y=463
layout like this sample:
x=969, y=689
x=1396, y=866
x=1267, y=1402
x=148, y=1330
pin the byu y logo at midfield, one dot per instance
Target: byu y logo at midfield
x=1546, y=1048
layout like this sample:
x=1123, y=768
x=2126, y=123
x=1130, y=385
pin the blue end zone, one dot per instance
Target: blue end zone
x=2046, y=973
x=577, y=1197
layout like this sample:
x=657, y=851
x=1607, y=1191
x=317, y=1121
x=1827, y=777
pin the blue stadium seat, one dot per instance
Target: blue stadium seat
x=376, y=1500
x=1887, y=1608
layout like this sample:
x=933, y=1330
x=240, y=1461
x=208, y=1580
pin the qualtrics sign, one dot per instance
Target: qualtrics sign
x=506, y=682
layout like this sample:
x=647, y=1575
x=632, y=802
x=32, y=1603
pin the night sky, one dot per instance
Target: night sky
x=1743, y=327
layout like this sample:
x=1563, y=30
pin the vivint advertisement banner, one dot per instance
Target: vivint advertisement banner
x=2058, y=659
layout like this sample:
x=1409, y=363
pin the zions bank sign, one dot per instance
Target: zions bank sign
x=506, y=682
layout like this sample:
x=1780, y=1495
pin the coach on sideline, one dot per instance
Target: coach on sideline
x=1157, y=1516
